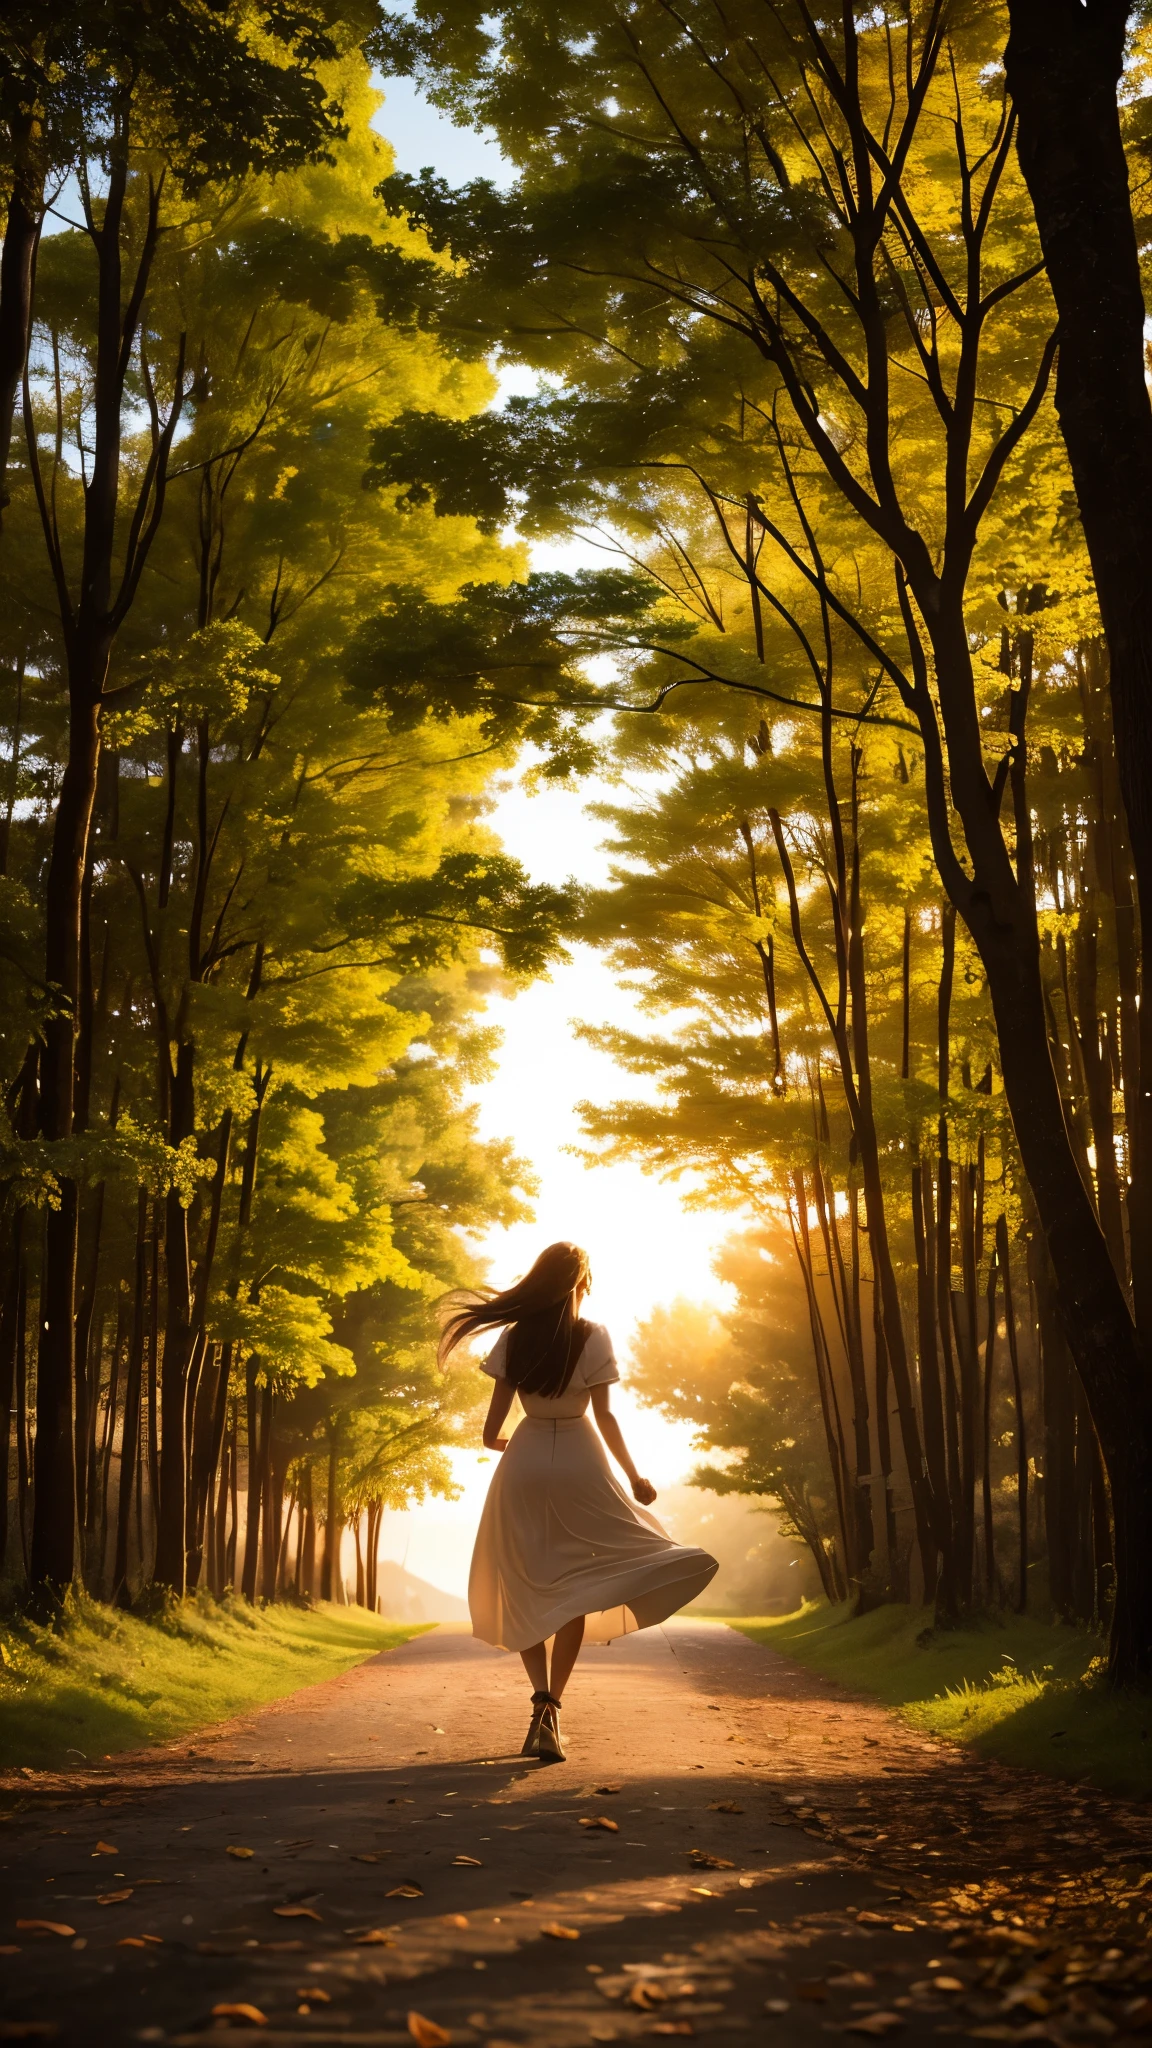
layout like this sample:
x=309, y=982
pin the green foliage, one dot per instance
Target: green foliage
x=95, y=1682
x=295, y=910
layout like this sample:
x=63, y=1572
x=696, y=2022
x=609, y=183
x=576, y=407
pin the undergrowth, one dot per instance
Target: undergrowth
x=95, y=1681
x=1025, y=1691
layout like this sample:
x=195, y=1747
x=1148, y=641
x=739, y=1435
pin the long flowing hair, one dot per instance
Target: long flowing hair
x=545, y=1334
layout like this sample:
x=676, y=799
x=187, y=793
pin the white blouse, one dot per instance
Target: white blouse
x=595, y=1367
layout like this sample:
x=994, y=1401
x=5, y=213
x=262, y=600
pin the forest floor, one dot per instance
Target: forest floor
x=736, y=1844
x=1025, y=1691
x=100, y=1681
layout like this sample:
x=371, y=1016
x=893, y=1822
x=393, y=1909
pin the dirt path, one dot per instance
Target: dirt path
x=783, y=1859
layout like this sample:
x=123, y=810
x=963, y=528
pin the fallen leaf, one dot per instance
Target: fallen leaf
x=235, y=1850
x=370, y=1856
x=703, y=1861
x=473, y=1862
x=644, y=1996
x=875, y=2023
x=43, y=1927
x=776, y=2006
x=604, y=1791
x=948, y=1984
x=426, y=2032
x=600, y=1820
x=105, y=1849
x=455, y=1919
x=725, y=1806
x=244, y=2015
x=702, y=1891
x=405, y=1891
x=852, y=1980
x=746, y=1884
x=297, y=1913
x=113, y=1898
x=557, y=1932
x=314, y=1995
x=374, y=1937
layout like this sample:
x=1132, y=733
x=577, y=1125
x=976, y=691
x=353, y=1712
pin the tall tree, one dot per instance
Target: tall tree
x=770, y=194
x=1064, y=63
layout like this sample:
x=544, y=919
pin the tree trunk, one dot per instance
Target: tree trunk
x=9, y=1338
x=1002, y=1253
x=130, y=1463
x=1064, y=63
x=333, y=1530
x=252, y=1412
x=17, y=268
x=306, y=1560
x=171, y=1530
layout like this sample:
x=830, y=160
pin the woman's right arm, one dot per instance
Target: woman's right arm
x=498, y=1406
x=613, y=1435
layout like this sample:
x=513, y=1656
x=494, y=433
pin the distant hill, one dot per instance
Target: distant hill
x=404, y=1597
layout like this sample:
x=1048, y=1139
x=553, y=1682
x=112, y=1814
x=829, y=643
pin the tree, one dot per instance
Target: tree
x=156, y=104
x=821, y=228
x=290, y=901
x=1064, y=65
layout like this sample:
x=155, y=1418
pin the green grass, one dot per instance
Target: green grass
x=96, y=1681
x=1027, y=1692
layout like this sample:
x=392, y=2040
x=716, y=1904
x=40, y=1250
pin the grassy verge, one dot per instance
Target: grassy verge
x=98, y=1682
x=1024, y=1691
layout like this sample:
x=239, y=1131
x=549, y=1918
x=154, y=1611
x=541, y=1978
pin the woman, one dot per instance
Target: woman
x=560, y=1544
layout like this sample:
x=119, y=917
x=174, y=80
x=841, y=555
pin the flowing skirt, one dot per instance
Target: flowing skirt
x=560, y=1537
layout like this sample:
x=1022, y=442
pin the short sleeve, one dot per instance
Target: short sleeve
x=598, y=1366
x=497, y=1359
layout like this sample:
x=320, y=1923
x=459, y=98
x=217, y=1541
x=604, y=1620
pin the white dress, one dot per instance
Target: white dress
x=560, y=1537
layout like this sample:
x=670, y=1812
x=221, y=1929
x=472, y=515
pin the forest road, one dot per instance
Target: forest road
x=373, y=1850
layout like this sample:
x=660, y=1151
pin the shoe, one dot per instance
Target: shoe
x=540, y=1705
x=549, y=1748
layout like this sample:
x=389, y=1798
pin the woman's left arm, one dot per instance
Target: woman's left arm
x=502, y=1398
x=613, y=1435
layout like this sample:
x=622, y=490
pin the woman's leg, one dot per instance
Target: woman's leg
x=565, y=1650
x=535, y=1661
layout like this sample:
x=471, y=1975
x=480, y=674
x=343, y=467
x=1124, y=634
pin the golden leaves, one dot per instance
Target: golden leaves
x=876, y=2023
x=297, y=1913
x=240, y=2014
x=701, y=1860
x=473, y=1862
x=44, y=1927
x=725, y=1806
x=234, y=1849
x=374, y=1937
x=113, y=1898
x=405, y=1891
x=426, y=2033
x=599, y=1820
x=644, y=1995
x=105, y=1849
x=556, y=1931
